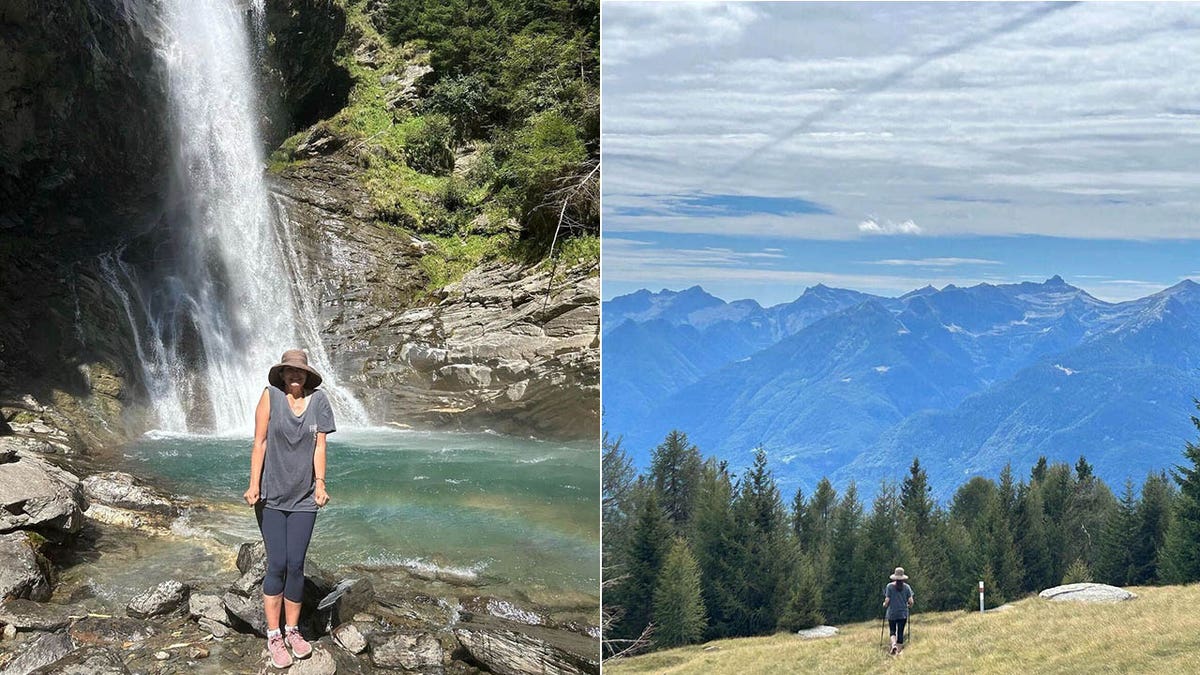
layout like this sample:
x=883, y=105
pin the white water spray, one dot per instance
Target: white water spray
x=233, y=287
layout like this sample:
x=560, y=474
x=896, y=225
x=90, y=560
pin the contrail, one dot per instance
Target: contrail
x=887, y=80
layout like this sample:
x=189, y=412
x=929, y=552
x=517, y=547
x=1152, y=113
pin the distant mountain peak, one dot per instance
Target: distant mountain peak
x=1055, y=281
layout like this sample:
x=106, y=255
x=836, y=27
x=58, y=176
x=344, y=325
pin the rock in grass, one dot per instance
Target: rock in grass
x=817, y=632
x=1087, y=592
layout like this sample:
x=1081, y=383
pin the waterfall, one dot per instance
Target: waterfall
x=227, y=303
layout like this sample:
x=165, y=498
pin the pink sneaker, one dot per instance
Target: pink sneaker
x=299, y=646
x=280, y=658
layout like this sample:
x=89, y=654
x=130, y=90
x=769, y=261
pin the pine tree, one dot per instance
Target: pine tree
x=803, y=608
x=619, y=479
x=916, y=503
x=679, y=617
x=838, y=594
x=818, y=522
x=993, y=538
x=675, y=470
x=1153, y=520
x=644, y=555
x=878, y=548
x=765, y=550
x=1029, y=529
x=717, y=557
x=1115, y=565
x=1180, y=562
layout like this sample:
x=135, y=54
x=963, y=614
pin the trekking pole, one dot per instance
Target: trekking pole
x=881, y=621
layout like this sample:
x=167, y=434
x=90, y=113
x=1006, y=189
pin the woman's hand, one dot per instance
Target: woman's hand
x=251, y=496
x=320, y=496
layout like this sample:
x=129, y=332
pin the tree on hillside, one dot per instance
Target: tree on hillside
x=679, y=617
x=712, y=541
x=916, y=502
x=1181, y=552
x=803, y=607
x=879, y=552
x=1114, y=564
x=1029, y=536
x=840, y=586
x=675, y=471
x=1153, y=521
x=766, y=551
x=818, y=522
x=644, y=556
x=619, y=478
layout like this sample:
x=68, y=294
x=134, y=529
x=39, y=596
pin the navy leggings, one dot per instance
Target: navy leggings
x=286, y=535
x=896, y=627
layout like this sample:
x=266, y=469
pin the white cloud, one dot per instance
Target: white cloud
x=871, y=226
x=933, y=262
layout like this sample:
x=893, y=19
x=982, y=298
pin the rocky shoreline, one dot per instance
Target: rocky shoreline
x=54, y=505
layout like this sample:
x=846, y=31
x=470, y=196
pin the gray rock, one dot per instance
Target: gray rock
x=9, y=445
x=507, y=648
x=115, y=488
x=248, y=611
x=817, y=632
x=116, y=630
x=41, y=650
x=350, y=638
x=30, y=615
x=252, y=556
x=89, y=660
x=205, y=606
x=320, y=662
x=35, y=493
x=350, y=597
x=1086, y=592
x=409, y=650
x=164, y=598
x=217, y=628
x=24, y=573
x=503, y=609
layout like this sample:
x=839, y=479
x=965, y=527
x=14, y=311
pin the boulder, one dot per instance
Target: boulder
x=1086, y=592
x=507, y=648
x=248, y=612
x=119, y=489
x=320, y=662
x=30, y=615
x=252, y=555
x=206, y=606
x=117, y=630
x=88, y=660
x=164, y=598
x=24, y=573
x=817, y=632
x=217, y=628
x=503, y=609
x=350, y=597
x=412, y=651
x=348, y=636
x=35, y=493
x=41, y=650
x=9, y=445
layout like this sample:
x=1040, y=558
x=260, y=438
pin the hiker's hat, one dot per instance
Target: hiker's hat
x=296, y=358
x=899, y=574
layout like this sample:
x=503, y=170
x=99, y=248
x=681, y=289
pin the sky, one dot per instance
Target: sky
x=757, y=149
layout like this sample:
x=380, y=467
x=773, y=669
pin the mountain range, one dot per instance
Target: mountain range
x=849, y=385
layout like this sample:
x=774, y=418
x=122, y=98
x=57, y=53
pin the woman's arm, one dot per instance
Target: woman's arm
x=262, y=415
x=319, y=494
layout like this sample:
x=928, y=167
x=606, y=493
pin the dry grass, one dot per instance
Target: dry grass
x=1159, y=632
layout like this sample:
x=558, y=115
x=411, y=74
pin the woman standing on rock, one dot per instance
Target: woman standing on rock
x=287, y=486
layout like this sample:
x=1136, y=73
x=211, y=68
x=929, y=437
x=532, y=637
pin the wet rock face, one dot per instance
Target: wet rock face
x=40, y=651
x=164, y=598
x=83, y=164
x=119, y=489
x=510, y=649
x=23, y=572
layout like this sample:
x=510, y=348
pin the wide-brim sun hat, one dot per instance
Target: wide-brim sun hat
x=899, y=575
x=296, y=358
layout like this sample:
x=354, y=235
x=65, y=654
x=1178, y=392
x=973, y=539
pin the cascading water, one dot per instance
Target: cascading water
x=225, y=308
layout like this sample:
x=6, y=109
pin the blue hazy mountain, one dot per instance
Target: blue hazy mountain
x=965, y=378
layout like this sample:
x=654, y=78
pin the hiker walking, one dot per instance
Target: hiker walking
x=897, y=599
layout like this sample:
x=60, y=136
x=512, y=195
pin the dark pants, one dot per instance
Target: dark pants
x=896, y=627
x=286, y=535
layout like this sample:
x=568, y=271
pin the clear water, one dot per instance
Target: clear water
x=515, y=515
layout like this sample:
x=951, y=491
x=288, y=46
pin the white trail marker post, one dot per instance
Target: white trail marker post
x=981, y=595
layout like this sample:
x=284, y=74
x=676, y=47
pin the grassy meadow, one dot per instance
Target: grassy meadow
x=1158, y=632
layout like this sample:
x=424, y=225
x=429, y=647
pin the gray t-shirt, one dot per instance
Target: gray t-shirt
x=897, y=601
x=287, y=480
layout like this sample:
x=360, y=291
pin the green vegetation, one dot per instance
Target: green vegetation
x=764, y=567
x=473, y=122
